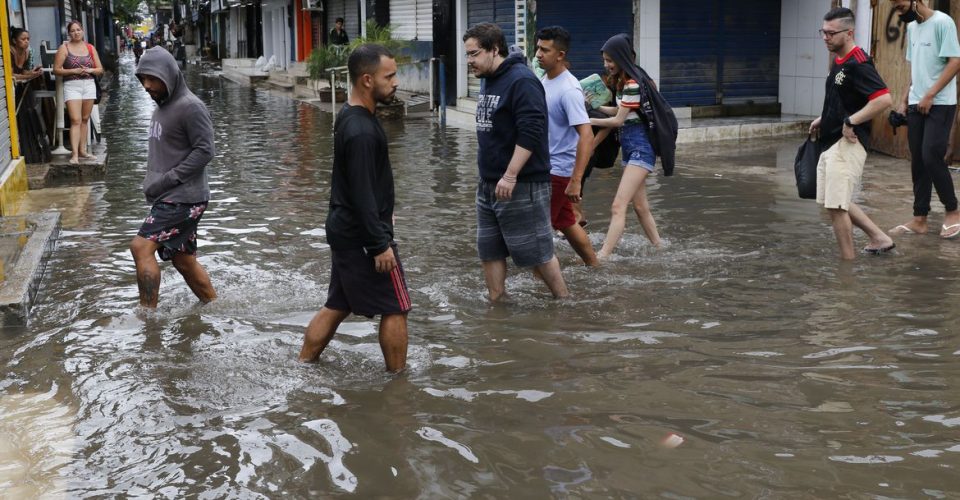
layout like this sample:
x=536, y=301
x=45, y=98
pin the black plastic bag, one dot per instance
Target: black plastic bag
x=805, y=168
x=605, y=154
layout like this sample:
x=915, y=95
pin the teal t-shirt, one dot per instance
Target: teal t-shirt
x=929, y=45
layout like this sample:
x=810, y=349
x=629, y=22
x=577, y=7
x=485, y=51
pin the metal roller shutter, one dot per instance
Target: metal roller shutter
x=412, y=19
x=689, y=52
x=501, y=12
x=589, y=29
x=5, y=144
x=751, y=51
x=719, y=51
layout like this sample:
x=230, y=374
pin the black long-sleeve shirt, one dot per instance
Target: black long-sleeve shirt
x=361, y=189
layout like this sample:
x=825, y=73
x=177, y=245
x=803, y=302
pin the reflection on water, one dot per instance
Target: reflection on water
x=786, y=373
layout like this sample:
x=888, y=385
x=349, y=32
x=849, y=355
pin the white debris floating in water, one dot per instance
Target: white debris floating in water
x=672, y=440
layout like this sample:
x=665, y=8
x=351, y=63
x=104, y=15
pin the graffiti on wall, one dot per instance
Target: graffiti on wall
x=896, y=30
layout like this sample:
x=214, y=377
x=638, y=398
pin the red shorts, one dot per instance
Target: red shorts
x=561, y=209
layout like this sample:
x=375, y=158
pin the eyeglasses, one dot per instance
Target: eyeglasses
x=831, y=34
x=473, y=53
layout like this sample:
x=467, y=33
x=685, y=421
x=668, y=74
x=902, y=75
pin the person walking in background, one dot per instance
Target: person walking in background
x=855, y=94
x=338, y=36
x=137, y=49
x=179, y=149
x=570, y=135
x=513, y=157
x=78, y=63
x=930, y=103
x=366, y=276
x=638, y=157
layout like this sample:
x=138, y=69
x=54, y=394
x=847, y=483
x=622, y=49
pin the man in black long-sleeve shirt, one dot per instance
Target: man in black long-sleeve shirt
x=366, y=275
x=513, y=195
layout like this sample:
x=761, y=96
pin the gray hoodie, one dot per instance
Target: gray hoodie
x=181, y=136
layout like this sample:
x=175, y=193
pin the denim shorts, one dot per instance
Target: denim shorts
x=636, y=147
x=518, y=227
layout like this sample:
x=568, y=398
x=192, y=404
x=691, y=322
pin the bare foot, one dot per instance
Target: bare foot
x=880, y=245
x=74, y=161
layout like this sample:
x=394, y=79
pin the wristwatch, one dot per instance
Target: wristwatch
x=847, y=122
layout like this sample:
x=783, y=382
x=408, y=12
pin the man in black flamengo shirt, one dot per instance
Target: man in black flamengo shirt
x=366, y=277
x=855, y=94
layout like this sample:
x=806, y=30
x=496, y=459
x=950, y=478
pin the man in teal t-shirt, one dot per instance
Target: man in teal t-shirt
x=930, y=103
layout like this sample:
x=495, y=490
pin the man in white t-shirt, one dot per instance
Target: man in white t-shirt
x=930, y=103
x=570, y=136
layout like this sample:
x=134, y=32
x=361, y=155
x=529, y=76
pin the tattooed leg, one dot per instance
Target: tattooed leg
x=148, y=271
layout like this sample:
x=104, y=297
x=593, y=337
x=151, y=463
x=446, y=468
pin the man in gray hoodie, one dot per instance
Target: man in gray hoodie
x=180, y=146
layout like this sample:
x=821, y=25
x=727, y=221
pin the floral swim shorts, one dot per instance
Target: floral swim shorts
x=173, y=226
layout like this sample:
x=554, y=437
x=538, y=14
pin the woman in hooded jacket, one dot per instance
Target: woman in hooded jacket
x=637, y=152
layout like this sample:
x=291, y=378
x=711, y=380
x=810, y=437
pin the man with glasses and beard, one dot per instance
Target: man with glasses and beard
x=366, y=276
x=855, y=94
x=513, y=195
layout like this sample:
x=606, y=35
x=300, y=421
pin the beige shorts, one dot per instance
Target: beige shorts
x=838, y=174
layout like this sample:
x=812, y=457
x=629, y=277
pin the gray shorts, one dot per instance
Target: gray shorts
x=518, y=227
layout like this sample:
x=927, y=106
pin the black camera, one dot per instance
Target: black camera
x=897, y=120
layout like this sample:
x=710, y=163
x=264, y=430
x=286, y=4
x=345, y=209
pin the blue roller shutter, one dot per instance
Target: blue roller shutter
x=589, y=28
x=501, y=12
x=751, y=51
x=719, y=51
x=494, y=11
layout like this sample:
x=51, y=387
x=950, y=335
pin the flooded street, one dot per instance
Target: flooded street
x=788, y=373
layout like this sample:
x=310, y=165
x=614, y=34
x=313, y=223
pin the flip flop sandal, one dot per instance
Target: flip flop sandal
x=881, y=250
x=901, y=229
x=952, y=231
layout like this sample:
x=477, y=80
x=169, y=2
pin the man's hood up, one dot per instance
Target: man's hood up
x=159, y=63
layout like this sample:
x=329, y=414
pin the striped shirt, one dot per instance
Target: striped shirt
x=629, y=98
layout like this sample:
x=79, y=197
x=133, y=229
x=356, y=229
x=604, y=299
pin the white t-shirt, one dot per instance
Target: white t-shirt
x=930, y=44
x=565, y=110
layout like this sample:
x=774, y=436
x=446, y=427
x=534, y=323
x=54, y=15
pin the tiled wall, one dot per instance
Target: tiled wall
x=804, y=60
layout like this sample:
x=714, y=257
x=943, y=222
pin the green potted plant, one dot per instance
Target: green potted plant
x=319, y=62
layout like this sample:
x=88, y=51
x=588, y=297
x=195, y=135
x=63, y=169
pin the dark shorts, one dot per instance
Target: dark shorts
x=518, y=227
x=173, y=226
x=356, y=286
x=561, y=209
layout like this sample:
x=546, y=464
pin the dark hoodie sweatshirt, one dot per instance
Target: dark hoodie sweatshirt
x=181, y=136
x=512, y=111
x=659, y=116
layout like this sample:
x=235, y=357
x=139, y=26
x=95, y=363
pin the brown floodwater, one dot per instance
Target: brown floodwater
x=785, y=372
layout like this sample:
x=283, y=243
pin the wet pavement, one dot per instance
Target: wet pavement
x=788, y=373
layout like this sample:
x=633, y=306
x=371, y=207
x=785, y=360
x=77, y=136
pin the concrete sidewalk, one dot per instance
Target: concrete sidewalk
x=694, y=130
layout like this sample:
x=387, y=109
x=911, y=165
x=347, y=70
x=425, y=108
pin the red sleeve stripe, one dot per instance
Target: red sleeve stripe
x=857, y=53
x=878, y=94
